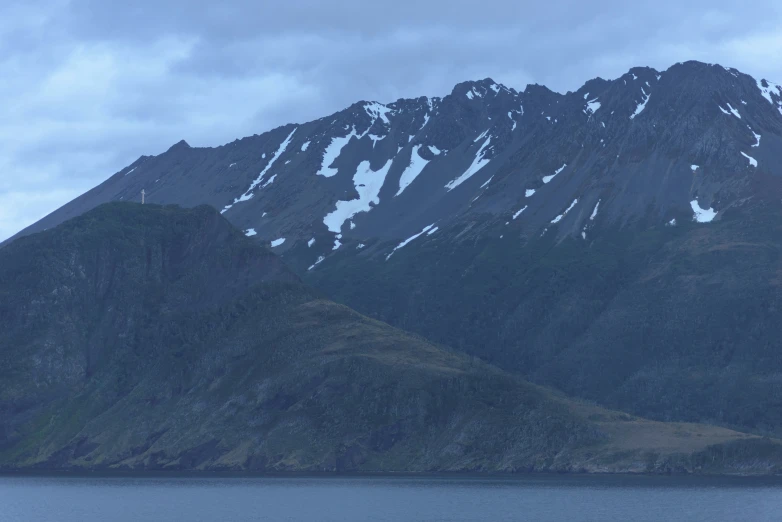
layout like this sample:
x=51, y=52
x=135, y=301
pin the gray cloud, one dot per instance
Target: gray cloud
x=89, y=85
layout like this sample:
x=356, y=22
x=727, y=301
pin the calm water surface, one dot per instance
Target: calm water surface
x=533, y=498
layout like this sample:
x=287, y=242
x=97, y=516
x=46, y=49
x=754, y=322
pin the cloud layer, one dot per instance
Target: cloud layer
x=89, y=85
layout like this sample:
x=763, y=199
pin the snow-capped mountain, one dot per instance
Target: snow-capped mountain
x=688, y=142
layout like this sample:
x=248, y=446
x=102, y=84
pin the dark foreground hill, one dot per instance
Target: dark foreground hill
x=147, y=337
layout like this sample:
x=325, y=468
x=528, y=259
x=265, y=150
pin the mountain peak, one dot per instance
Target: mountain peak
x=180, y=145
x=477, y=88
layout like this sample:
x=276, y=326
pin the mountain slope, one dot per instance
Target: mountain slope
x=646, y=144
x=159, y=338
x=672, y=322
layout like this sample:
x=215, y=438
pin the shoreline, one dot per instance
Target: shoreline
x=440, y=475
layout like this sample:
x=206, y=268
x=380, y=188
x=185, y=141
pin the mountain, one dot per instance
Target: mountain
x=647, y=145
x=149, y=337
x=619, y=242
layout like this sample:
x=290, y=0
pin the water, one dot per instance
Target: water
x=532, y=498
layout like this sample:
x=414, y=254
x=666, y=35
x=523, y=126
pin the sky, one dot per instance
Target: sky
x=88, y=86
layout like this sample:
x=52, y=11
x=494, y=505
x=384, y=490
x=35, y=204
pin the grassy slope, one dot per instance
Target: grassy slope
x=116, y=357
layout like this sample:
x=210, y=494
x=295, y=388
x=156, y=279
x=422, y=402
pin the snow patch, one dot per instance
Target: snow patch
x=470, y=95
x=752, y=161
x=641, y=106
x=559, y=217
x=594, y=212
x=248, y=193
x=672, y=223
x=360, y=246
x=426, y=120
x=434, y=150
x=766, y=92
x=517, y=214
x=734, y=111
x=488, y=181
x=378, y=110
x=270, y=181
x=694, y=167
x=311, y=242
x=529, y=192
x=757, y=136
x=316, y=263
x=481, y=136
x=429, y=229
x=413, y=169
x=701, y=215
x=131, y=170
x=278, y=242
x=250, y=232
x=332, y=153
x=478, y=163
x=305, y=146
x=368, y=184
x=231, y=165
x=592, y=106
x=546, y=179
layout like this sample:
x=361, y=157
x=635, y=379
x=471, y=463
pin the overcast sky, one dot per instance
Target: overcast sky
x=87, y=86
